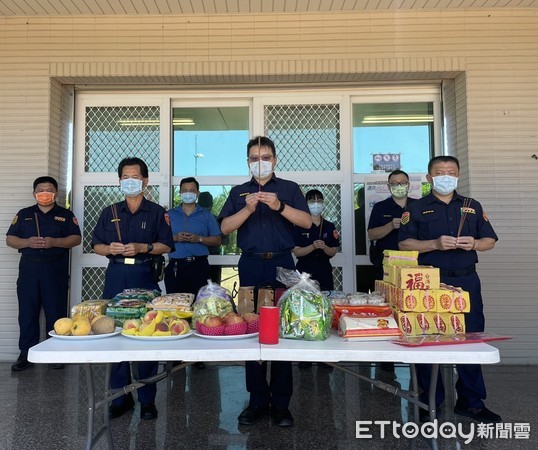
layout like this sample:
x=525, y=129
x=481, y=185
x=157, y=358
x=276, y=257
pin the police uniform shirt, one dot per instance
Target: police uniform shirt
x=429, y=218
x=57, y=223
x=147, y=225
x=265, y=230
x=304, y=238
x=382, y=213
x=200, y=222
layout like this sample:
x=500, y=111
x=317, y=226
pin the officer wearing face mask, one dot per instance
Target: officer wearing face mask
x=195, y=229
x=435, y=226
x=263, y=211
x=315, y=247
x=385, y=218
x=130, y=234
x=43, y=235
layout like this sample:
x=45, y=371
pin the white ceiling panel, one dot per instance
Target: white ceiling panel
x=179, y=7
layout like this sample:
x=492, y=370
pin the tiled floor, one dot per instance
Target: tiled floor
x=44, y=408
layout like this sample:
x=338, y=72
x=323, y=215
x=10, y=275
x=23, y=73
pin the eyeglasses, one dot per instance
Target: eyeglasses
x=403, y=183
x=263, y=158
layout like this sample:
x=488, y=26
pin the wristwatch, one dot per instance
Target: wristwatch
x=201, y=240
x=282, y=206
x=149, y=248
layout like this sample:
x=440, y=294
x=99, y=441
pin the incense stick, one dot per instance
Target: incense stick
x=259, y=165
x=464, y=210
x=37, y=224
x=116, y=221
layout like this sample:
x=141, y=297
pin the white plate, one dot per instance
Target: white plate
x=157, y=338
x=223, y=338
x=89, y=336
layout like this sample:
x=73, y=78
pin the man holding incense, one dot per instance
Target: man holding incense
x=448, y=230
x=43, y=235
x=130, y=234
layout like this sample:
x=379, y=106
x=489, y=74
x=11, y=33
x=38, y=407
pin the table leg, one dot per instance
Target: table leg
x=91, y=440
x=432, y=407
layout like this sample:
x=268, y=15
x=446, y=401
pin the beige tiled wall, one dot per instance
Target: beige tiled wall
x=492, y=55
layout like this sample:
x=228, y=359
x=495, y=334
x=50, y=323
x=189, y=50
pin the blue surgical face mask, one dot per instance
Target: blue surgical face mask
x=316, y=208
x=445, y=184
x=188, y=197
x=130, y=187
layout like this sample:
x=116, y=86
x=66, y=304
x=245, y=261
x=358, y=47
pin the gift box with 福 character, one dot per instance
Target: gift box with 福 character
x=412, y=300
x=452, y=299
x=419, y=277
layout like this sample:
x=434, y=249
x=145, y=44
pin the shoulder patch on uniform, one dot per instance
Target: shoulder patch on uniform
x=484, y=216
x=59, y=218
x=75, y=221
x=15, y=219
x=336, y=234
x=405, y=217
x=167, y=219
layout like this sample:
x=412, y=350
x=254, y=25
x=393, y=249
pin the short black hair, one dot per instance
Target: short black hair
x=398, y=172
x=313, y=193
x=133, y=161
x=46, y=179
x=264, y=142
x=189, y=180
x=445, y=159
x=205, y=199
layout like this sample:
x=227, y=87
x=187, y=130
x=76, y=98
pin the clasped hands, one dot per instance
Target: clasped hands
x=466, y=243
x=132, y=249
x=269, y=198
x=41, y=242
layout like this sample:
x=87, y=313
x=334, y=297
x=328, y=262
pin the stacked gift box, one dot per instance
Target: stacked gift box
x=422, y=305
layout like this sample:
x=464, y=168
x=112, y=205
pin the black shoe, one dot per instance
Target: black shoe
x=282, y=417
x=199, y=365
x=252, y=414
x=21, y=364
x=148, y=411
x=304, y=365
x=115, y=411
x=483, y=415
x=57, y=366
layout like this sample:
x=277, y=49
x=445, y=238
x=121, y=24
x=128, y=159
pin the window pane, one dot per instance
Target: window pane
x=210, y=141
x=306, y=137
x=403, y=129
x=113, y=133
x=359, y=219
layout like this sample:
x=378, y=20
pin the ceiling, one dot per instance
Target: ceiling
x=178, y=7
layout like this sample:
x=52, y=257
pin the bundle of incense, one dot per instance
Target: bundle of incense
x=116, y=221
x=464, y=211
x=37, y=225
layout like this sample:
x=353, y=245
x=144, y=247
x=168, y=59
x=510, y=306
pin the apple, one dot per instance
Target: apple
x=251, y=317
x=157, y=316
x=162, y=326
x=131, y=323
x=232, y=319
x=213, y=321
x=179, y=326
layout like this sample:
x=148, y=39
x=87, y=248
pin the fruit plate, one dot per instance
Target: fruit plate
x=224, y=337
x=158, y=338
x=88, y=336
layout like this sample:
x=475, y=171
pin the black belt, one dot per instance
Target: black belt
x=43, y=259
x=267, y=255
x=130, y=261
x=188, y=258
x=458, y=273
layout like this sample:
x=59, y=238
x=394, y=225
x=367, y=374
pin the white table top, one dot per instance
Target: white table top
x=119, y=348
x=336, y=349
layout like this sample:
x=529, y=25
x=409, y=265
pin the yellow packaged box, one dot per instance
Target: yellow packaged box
x=389, y=274
x=415, y=324
x=420, y=277
x=382, y=287
x=452, y=299
x=412, y=300
x=400, y=258
x=449, y=323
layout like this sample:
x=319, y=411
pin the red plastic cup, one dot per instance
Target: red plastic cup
x=269, y=326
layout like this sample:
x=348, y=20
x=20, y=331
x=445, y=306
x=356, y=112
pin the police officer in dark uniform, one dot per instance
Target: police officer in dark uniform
x=385, y=219
x=448, y=229
x=130, y=234
x=264, y=210
x=315, y=247
x=43, y=235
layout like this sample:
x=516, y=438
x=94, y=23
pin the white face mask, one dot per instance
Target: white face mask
x=130, y=187
x=261, y=169
x=316, y=208
x=188, y=197
x=445, y=184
